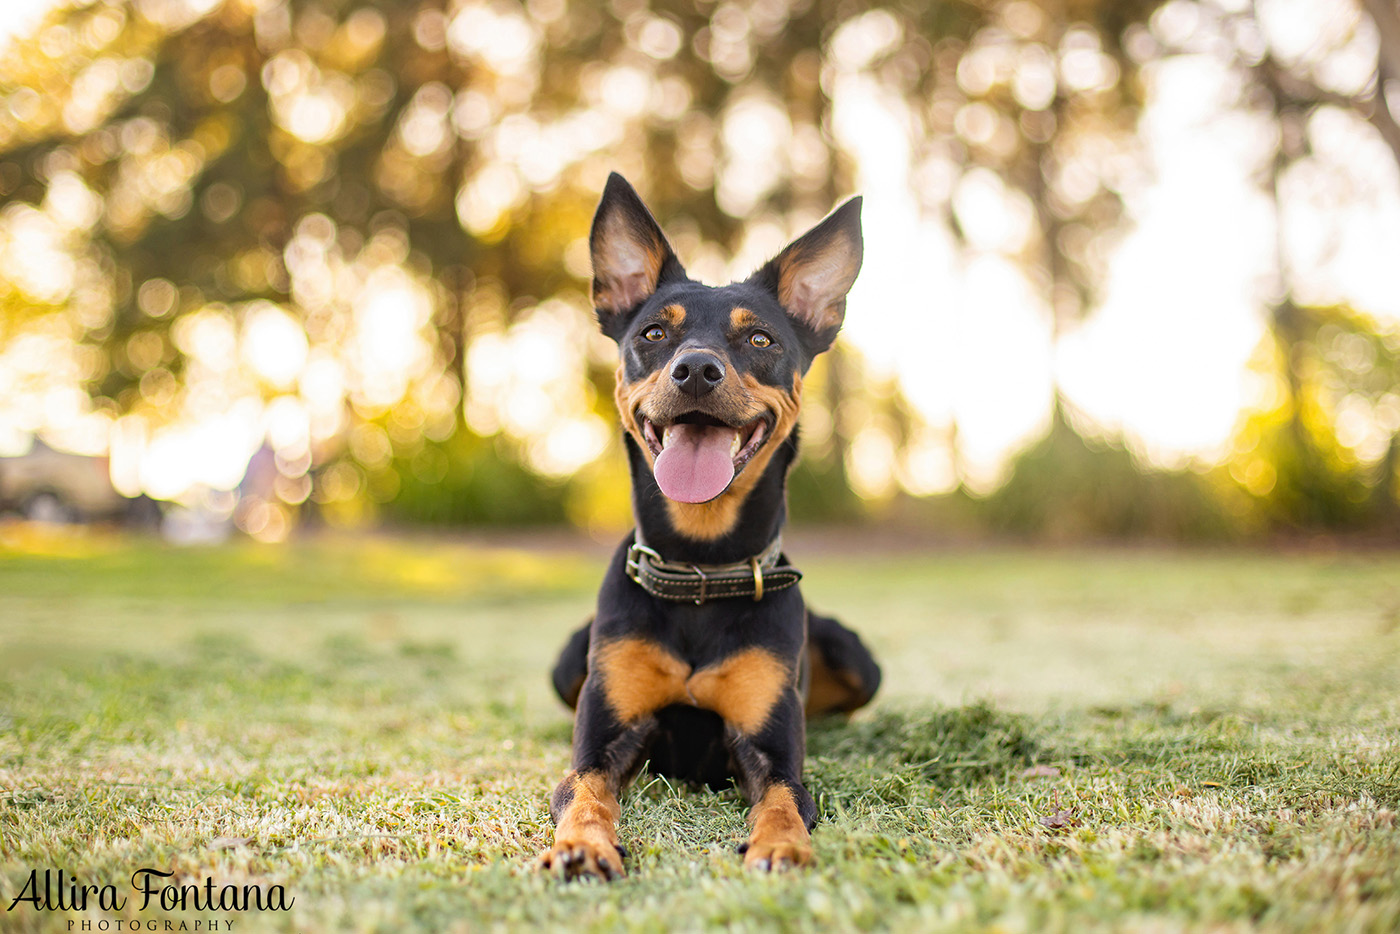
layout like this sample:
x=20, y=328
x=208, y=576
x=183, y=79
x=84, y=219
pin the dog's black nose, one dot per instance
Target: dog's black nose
x=697, y=373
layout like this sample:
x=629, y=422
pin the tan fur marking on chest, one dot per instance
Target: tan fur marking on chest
x=743, y=688
x=641, y=677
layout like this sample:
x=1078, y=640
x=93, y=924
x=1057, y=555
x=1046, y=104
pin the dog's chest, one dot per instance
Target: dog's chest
x=640, y=677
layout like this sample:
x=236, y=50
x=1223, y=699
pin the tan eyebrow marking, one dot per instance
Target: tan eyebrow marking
x=674, y=314
x=741, y=319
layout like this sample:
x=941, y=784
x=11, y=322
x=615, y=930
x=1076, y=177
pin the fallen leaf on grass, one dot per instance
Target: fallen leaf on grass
x=1061, y=819
x=229, y=843
x=1041, y=771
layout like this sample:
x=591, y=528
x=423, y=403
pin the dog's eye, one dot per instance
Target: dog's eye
x=759, y=339
x=655, y=334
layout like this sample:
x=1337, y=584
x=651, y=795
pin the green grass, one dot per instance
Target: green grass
x=1068, y=742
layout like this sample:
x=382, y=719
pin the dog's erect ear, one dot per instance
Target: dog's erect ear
x=812, y=275
x=630, y=255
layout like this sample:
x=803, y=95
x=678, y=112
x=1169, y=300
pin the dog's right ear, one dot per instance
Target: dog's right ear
x=631, y=257
x=812, y=275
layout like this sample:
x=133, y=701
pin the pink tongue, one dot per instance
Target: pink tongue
x=696, y=464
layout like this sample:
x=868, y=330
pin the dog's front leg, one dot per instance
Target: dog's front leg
x=607, y=753
x=770, y=767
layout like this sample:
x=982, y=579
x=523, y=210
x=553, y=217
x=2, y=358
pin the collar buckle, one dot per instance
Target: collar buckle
x=700, y=599
x=634, y=560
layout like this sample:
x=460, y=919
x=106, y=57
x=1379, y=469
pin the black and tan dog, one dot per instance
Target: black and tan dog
x=702, y=658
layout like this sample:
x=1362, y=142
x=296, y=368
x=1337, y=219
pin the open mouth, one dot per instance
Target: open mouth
x=697, y=456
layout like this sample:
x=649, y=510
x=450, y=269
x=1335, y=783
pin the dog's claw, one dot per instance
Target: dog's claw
x=776, y=857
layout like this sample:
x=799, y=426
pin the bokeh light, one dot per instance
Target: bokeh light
x=355, y=238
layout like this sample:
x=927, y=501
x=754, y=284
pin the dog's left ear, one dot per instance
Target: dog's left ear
x=812, y=275
x=631, y=257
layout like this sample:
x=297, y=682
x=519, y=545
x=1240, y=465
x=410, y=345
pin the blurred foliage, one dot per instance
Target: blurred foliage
x=1326, y=455
x=465, y=481
x=1322, y=458
x=329, y=222
x=1071, y=487
x=1319, y=459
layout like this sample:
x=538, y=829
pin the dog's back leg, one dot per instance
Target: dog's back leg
x=843, y=674
x=572, y=666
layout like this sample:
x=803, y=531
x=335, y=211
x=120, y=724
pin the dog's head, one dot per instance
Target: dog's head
x=711, y=378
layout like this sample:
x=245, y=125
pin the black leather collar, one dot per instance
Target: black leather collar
x=674, y=580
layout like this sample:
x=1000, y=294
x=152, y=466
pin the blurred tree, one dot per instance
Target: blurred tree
x=1326, y=456
x=350, y=224
x=1322, y=452
x=1044, y=96
x=245, y=167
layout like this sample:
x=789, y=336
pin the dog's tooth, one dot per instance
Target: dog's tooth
x=734, y=445
x=666, y=436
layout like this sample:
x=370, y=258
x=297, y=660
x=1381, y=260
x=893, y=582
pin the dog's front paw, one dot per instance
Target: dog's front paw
x=581, y=858
x=775, y=855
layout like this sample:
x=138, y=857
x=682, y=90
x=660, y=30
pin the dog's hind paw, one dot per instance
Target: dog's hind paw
x=581, y=859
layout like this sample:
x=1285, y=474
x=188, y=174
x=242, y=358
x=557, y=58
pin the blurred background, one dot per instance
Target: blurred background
x=1132, y=267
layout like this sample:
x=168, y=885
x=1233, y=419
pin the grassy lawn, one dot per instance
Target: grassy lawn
x=1071, y=742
